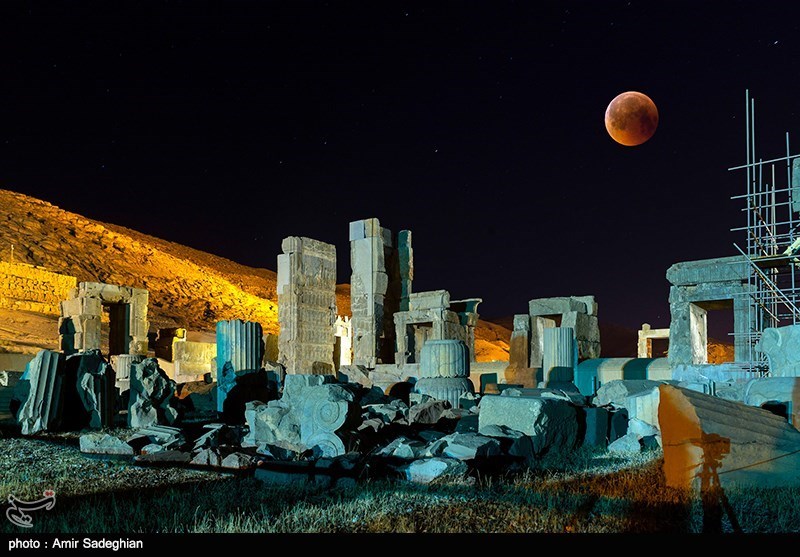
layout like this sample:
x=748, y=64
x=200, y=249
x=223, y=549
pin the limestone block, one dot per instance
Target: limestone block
x=551, y=424
x=589, y=302
x=782, y=347
x=585, y=326
x=103, y=443
x=41, y=409
x=444, y=388
x=559, y=356
x=597, y=421
x=706, y=437
x=426, y=470
x=643, y=406
x=429, y=412
x=151, y=392
x=95, y=382
x=444, y=358
x=555, y=306
x=538, y=325
x=719, y=269
x=628, y=444
x=781, y=390
x=434, y=299
x=468, y=446
x=271, y=423
x=616, y=392
x=72, y=307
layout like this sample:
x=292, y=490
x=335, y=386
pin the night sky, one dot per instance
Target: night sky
x=477, y=125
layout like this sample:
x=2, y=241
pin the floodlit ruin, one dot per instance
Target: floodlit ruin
x=395, y=389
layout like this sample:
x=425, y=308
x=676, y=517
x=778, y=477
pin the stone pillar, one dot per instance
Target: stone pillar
x=538, y=326
x=560, y=355
x=306, y=305
x=519, y=347
x=405, y=256
x=369, y=283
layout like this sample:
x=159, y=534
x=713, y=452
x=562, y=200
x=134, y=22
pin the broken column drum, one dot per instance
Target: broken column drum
x=560, y=354
x=444, y=370
x=41, y=408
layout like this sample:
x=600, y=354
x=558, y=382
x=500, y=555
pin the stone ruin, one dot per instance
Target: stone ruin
x=392, y=391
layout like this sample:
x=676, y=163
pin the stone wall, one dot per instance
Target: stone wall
x=31, y=288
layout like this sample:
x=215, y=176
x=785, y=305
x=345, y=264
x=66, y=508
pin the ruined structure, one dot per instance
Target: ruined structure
x=432, y=316
x=32, y=288
x=644, y=348
x=576, y=312
x=444, y=370
x=240, y=348
x=306, y=305
x=80, y=322
x=343, y=338
x=185, y=355
x=380, y=284
x=560, y=355
x=697, y=288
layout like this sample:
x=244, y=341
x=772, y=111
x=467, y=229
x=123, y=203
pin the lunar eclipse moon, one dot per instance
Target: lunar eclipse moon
x=631, y=118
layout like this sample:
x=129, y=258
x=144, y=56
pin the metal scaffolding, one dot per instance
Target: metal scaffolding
x=772, y=243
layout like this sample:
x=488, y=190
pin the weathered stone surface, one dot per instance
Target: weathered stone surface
x=371, y=424
x=150, y=396
x=444, y=388
x=96, y=387
x=775, y=390
x=240, y=347
x=427, y=412
x=270, y=423
x=325, y=409
x=444, y=358
x=166, y=436
x=239, y=461
x=467, y=424
x=515, y=443
x=719, y=269
x=641, y=429
x=427, y=470
x=552, y=424
x=236, y=388
x=520, y=344
x=619, y=424
x=597, y=421
x=39, y=410
x=307, y=306
x=782, y=347
x=103, y=443
x=707, y=438
x=628, y=444
x=615, y=393
x=152, y=448
x=295, y=385
x=355, y=374
x=643, y=406
x=555, y=306
x=404, y=448
x=207, y=457
x=387, y=413
x=467, y=446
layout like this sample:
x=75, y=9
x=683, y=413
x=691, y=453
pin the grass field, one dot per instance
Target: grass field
x=589, y=491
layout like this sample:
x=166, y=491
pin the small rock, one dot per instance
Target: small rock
x=641, y=429
x=626, y=445
x=372, y=424
x=428, y=412
x=207, y=457
x=239, y=461
x=152, y=448
x=429, y=469
x=467, y=446
x=651, y=442
x=103, y=443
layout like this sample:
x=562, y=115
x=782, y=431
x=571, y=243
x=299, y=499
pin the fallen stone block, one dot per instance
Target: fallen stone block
x=41, y=406
x=238, y=461
x=643, y=406
x=615, y=393
x=371, y=424
x=355, y=374
x=641, y=429
x=628, y=444
x=551, y=424
x=270, y=423
x=513, y=442
x=597, y=422
x=151, y=391
x=467, y=446
x=774, y=391
x=152, y=448
x=444, y=388
x=427, y=470
x=388, y=413
x=207, y=457
x=710, y=440
x=428, y=412
x=404, y=448
x=467, y=424
x=103, y=443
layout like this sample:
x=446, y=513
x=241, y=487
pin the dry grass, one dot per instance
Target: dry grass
x=587, y=492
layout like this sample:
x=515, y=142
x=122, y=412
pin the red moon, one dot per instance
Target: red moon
x=631, y=118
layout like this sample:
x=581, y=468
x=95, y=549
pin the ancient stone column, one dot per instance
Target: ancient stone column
x=240, y=343
x=444, y=370
x=560, y=355
x=306, y=305
x=41, y=408
x=519, y=348
x=380, y=284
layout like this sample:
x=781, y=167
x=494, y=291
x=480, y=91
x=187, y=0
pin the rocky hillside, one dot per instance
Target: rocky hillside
x=188, y=288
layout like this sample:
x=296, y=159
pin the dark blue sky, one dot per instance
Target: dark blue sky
x=477, y=125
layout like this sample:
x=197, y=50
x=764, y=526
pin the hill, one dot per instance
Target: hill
x=188, y=287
